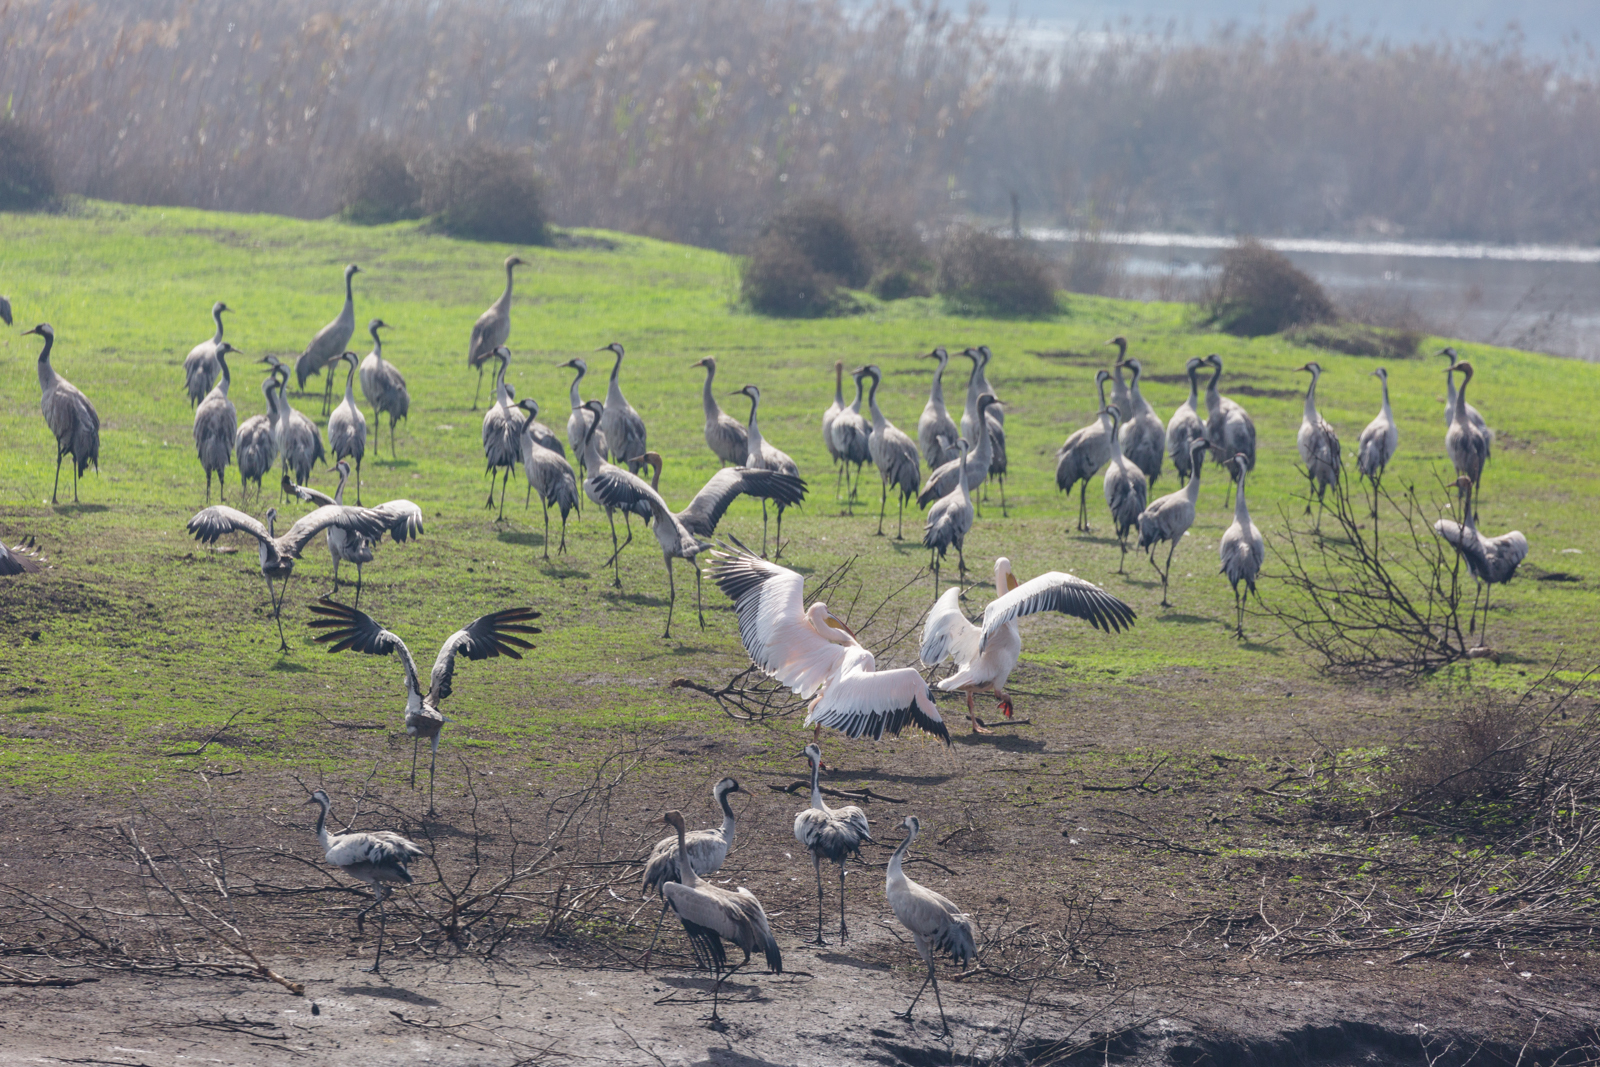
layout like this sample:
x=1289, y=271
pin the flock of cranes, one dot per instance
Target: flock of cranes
x=805, y=648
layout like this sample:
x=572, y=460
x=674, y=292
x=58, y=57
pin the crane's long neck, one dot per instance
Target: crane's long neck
x=728, y=821
x=855, y=405
x=350, y=383
x=322, y=826
x=1460, y=400
x=505, y=297
x=1196, y=463
x=227, y=375
x=216, y=316
x=349, y=293
x=1133, y=388
x=686, y=873
x=974, y=390
x=753, y=438
x=816, y=786
x=982, y=371
x=577, y=401
x=985, y=450
x=838, y=384
x=1387, y=412
x=47, y=373
x=707, y=398
x=1100, y=384
x=267, y=390
x=377, y=347
x=878, y=421
x=592, y=459
x=338, y=494
x=614, y=391
x=961, y=481
x=1214, y=398
x=1241, y=511
x=1116, y=445
x=895, y=872
x=1194, y=387
x=1450, y=394
x=1311, y=399
x=936, y=393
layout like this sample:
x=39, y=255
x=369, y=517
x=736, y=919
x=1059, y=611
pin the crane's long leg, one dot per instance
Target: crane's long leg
x=1483, y=631
x=1165, y=574
x=672, y=594
x=1083, y=507
x=415, y=741
x=837, y=482
x=563, y=548
x=545, y=504
x=277, y=610
x=392, y=455
x=816, y=862
x=327, y=393
x=433, y=758
x=844, y=931
x=700, y=610
x=1003, y=496
x=777, y=545
x=358, y=585
x=646, y=962
x=1238, y=607
x=505, y=483
x=883, y=502
x=479, y=390
x=377, y=958
x=763, y=527
x=937, y=999
x=716, y=990
x=222, y=485
x=616, y=575
x=961, y=556
x=906, y=1015
x=900, y=520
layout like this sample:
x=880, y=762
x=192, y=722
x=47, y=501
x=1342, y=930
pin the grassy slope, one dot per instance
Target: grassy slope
x=145, y=639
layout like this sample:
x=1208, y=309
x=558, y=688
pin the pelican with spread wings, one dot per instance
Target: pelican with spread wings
x=818, y=656
x=485, y=637
x=985, y=656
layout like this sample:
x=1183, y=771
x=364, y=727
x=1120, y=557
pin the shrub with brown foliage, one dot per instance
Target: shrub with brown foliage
x=378, y=184
x=779, y=279
x=1261, y=292
x=27, y=167
x=902, y=264
x=819, y=230
x=1001, y=276
x=487, y=193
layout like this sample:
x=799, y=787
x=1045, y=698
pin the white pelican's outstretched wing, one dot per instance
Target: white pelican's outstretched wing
x=1057, y=591
x=862, y=701
x=769, y=601
x=948, y=632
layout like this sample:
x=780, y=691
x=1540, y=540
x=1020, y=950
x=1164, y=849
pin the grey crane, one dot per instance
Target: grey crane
x=299, y=440
x=328, y=346
x=725, y=435
x=712, y=915
x=383, y=385
x=850, y=434
x=216, y=424
x=1082, y=454
x=497, y=634
x=1120, y=398
x=1380, y=439
x=938, y=927
x=347, y=427
x=762, y=456
x=1450, y=399
x=502, y=434
x=549, y=474
x=5, y=310
x=894, y=454
x=828, y=415
x=942, y=480
x=832, y=834
x=1319, y=445
x=581, y=419
x=256, y=443
x=374, y=857
x=542, y=435
x=1241, y=548
x=1125, y=490
x=1492, y=560
x=706, y=850
x=21, y=558
x=348, y=546
x=492, y=329
x=950, y=520
x=936, y=430
x=993, y=418
x=1143, y=438
x=1465, y=442
x=200, y=365
x=69, y=414
x=1229, y=427
x=1169, y=517
x=597, y=485
x=1185, y=424
x=624, y=429
x=277, y=554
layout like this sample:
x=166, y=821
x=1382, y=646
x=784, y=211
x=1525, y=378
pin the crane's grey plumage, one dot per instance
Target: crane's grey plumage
x=1241, y=547
x=1465, y=442
x=1229, y=427
x=581, y=419
x=496, y=634
x=1142, y=437
x=383, y=385
x=328, y=346
x=761, y=456
x=1169, y=517
x=375, y=857
x=624, y=429
x=850, y=435
x=255, y=446
x=725, y=435
x=549, y=474
x=705, y=850
x=299, y=440
x=502, y=434
x=942, y=480
x=1318, y=444
x=1185, y=424
x=277, y=553
x=828, y=415
x=1450, y=399
x=894, y=453
x=985, y=656
x=1125, y=489
x=5, y=310
x=712, y=915
x=347, y=427
x=604, y=481
x=1380, y=439
x=1081, y=455
x=349, y=546
x=994, y=417
x=832, y=834
x=950, y=520
x=492, y=329
x=936, y=430
x=21, y=558
x=1492, y=560
x=1120, y=398
x=69, y=414
x=938, y=927
x=216, y=425
x=200, y=365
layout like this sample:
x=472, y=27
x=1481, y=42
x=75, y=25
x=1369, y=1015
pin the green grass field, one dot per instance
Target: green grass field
x=139, y=640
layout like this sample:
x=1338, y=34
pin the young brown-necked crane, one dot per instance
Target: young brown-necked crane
x=938, y=927
x=488, y=636
x=705, y=849
x=69, y=414
x=376, y=857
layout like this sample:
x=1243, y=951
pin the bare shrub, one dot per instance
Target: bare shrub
x=378, y=184
x=819, y=230
x=1261, y=292
x=902, y=264
x=27, y=167
x=982, y=272
x=487, y=193
x=1354, y=339
x=779, y=279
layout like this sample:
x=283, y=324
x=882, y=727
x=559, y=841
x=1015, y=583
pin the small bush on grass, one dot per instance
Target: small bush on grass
x=27, y=167
x=378, y=184
x=486, y=193
x=1355, y=339
x=981, y=272
x=779, y=279
x=1261, y=292
x=902, y=264
x=820, y=231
